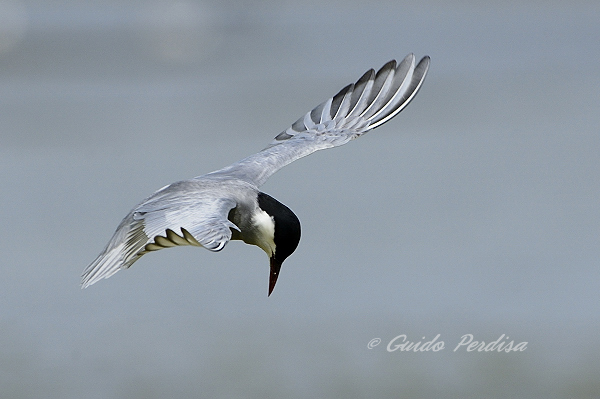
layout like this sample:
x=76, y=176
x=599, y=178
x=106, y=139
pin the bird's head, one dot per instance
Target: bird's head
x=283, y=229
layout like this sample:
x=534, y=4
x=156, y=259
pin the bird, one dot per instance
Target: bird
x=212, y=209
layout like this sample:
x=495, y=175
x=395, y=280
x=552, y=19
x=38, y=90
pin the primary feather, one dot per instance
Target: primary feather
x=373, y=100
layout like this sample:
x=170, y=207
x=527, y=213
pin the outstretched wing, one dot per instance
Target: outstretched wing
x=359, y=107
x=183, y=213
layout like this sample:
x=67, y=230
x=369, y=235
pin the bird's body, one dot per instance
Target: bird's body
x=226, y=204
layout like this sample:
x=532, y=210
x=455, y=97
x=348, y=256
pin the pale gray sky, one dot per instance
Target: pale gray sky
x=475, y=211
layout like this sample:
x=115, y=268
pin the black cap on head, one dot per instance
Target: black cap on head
x=287, y=233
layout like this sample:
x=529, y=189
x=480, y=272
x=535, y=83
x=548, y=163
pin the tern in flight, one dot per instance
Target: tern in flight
x=209, y=210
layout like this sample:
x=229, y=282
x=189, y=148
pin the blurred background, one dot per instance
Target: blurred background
x=475, y=211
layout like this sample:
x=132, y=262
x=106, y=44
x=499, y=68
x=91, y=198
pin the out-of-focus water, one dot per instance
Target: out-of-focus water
x=473, y=212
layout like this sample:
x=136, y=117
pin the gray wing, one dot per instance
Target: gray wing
x=359, y=107
x=183, y=213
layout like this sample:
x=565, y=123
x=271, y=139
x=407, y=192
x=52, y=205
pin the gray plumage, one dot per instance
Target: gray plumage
x=212, y=209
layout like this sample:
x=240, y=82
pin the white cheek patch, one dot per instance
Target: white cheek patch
x=266, y=232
